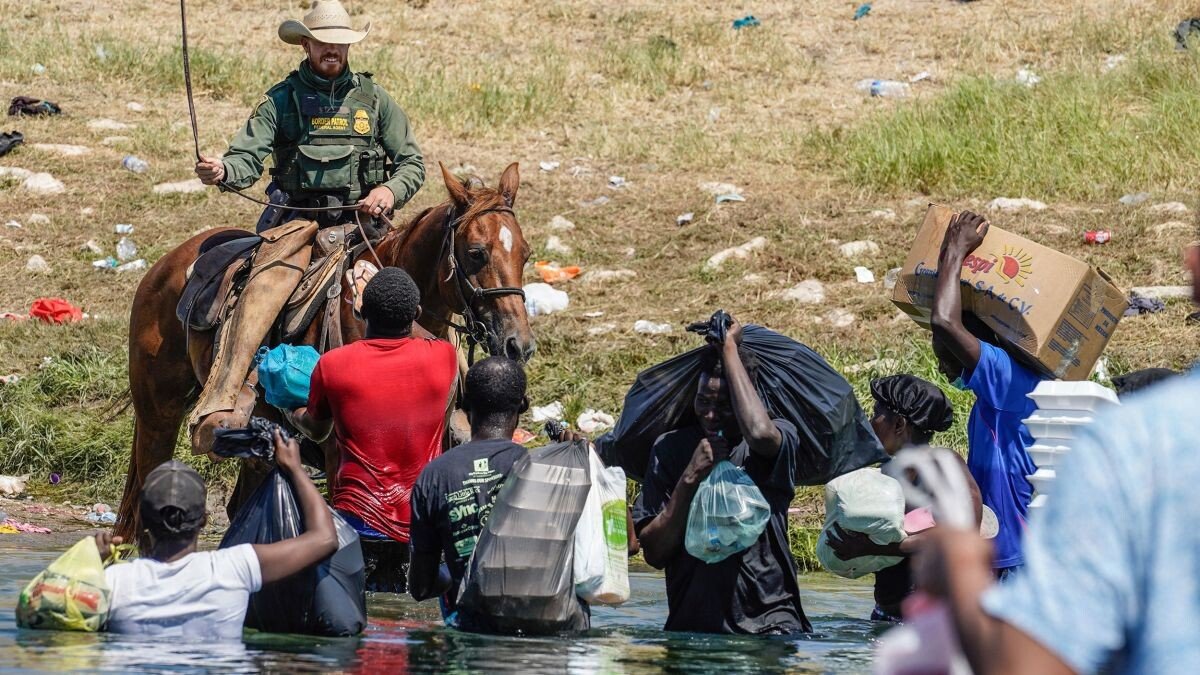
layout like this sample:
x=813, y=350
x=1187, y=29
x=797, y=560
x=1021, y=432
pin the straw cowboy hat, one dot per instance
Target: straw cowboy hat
x=326, y=22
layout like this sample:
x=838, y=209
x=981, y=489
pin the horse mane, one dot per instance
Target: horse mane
x=482, y=199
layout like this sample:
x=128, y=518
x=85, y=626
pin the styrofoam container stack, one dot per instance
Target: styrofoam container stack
x=1063, y=410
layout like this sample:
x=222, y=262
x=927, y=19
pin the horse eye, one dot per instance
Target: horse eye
x=478, y=256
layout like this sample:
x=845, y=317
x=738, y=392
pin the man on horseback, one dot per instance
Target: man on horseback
x=338, y=140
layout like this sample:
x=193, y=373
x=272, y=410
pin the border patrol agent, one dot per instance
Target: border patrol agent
x=337, y=139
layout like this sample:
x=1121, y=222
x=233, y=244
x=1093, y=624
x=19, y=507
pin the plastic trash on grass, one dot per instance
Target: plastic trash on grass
x=542, y=299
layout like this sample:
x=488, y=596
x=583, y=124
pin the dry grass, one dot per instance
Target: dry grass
x=666, y=95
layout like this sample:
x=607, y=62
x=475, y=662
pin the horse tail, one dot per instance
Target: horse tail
x=117, y=406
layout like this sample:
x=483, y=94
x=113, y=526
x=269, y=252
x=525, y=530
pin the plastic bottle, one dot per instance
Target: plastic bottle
x=126, y=249
x=123, y=228
x=135, y=164
x=133, y=266
x=884, y=88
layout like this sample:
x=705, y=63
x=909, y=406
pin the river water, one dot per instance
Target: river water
x=406, y=636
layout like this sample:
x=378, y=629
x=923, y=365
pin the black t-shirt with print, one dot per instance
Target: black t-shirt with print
x=453, y=496
x=754, y=591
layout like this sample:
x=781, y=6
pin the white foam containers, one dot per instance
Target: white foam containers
x=1063, y=409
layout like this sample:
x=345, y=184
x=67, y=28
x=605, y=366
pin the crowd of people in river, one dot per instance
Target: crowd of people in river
x=1098, y=583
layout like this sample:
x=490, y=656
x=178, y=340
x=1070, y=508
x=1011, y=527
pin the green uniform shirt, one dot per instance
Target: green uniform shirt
x=276, y=121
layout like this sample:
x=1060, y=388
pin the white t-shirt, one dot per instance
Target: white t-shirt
x=203, y=595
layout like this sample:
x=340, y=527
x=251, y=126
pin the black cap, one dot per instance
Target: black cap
x=919, y=401
x=173, y=499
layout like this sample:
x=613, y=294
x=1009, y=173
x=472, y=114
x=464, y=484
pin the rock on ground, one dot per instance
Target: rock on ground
x=739, y=252
x=64, y=150
x=807, y=292
x=855, y=249
x=106, y=124
x=1171, y=226
x=37, y=264
x=1017, y=204
x=43, y=184
x=840, y=318
x=561, y=224
x=1171, y=208
x=556, y=245
x=180, y=187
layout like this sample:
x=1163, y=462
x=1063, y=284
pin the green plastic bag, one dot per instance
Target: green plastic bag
x=70, y=594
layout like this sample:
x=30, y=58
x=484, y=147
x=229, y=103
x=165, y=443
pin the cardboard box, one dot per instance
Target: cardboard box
x=1057, y=312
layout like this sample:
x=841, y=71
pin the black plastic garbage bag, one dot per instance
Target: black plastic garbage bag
x=326, y=599
x=256, y=440
x=795, y=384
x=520, y=577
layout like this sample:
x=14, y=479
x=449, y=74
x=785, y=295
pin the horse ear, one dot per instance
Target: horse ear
x=510, y=180
x=458, y=193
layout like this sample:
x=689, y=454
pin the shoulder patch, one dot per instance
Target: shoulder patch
x=260, y=103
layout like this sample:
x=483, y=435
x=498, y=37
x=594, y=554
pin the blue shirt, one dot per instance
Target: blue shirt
x=997, y=439
x=1110, y=564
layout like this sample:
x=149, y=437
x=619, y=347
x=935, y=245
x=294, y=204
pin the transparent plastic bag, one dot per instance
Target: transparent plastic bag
x=863, y=501
x=601, y=543
x=727, y=516
x=70, y=594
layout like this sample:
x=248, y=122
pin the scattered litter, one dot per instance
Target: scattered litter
x=47, y=361
x=650, y=327
x=109, y=263
x=10, y=140
x=126, y=249
x=883, y=88
x=38, y=69
x=14, y=225
x=192, y=185
x=1171, y=226
x=617, y=182
x=13, y=485
x=605, y=276
x=123, y=228
x=25, y=527
x=1161, y=292
x=55, y=478
x=1184, y=30
x=10, y=379
x=714, y=114
x=858, y=249
x=37, y=264
x=521, y=436
x=555, y=245
x=1112, y=62
x=542, y=299
x=890, y=279
x=54, y=310
x=730, y=197
x=115, y=140
x=14, y=172
x=718, y=188
x=13, y=316
x=593, y=315
x=43, y=184
x=548, y=166
x=39, y=219
x=1138, y=306
x=876, y=365
x=91, y=246
x=630, y=252
x=739, y=252
x=135, y=106
x=1011, y=204
x=684, y=218
x=133, y=266
x=598, y=201
x=28, y=105
x=1027, y=77
x=1134, y=199
x=578, y=171
x=601, y=329
x=593, y=421
x=1171, y=208
x=882, y=214
x=551, y=273
x=101, y=514
x=862, y=11
x=840, y=318
x=864, y=275
x=561, y=224
x=101, y=53
x=545, y=413
x=1097, y=237
x=106, y=124
x=60, y=149
x=808, y=292
x=135, y=164
x=920, y=77
x=747, y=21
x=753, y=278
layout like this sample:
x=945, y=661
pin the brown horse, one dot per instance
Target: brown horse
x=466, y=255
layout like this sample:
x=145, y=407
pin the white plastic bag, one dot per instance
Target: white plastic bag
x=727, y=515
x=601, y=553
x=862, y=501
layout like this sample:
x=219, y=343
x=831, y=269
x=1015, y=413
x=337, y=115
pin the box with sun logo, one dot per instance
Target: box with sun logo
x=1057, y=312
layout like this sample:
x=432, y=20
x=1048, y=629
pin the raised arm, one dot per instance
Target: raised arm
x=754, y=420
x=319, y=540
x=662, y=538
x=964, y=234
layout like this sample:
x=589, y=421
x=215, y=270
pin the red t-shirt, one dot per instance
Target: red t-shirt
x=387, y=398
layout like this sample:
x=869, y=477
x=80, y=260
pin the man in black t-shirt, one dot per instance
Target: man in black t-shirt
x=455, y=492
x=754, y=591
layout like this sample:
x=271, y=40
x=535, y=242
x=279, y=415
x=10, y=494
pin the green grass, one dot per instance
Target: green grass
x=1078, y=134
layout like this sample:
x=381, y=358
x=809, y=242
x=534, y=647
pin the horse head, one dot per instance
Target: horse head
x=488, y=259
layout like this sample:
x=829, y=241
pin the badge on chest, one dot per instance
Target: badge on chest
x=329, y=118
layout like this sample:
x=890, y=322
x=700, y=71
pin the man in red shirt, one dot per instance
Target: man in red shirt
x=385, y=398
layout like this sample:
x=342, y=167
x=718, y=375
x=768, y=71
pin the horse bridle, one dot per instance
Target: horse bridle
x=476, y=331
